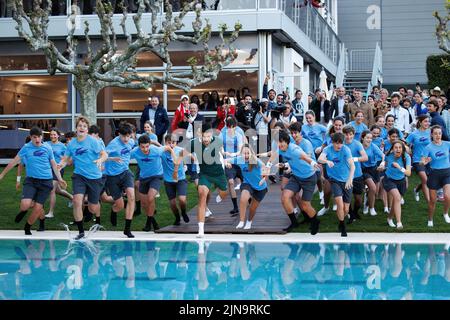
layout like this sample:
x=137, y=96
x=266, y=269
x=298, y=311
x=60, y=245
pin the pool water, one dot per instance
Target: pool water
x=44, y=270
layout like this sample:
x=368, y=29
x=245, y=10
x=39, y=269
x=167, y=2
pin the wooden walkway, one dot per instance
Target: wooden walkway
x=270, y=217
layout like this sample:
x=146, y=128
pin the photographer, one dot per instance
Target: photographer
x=188, y=120
x=246, y=113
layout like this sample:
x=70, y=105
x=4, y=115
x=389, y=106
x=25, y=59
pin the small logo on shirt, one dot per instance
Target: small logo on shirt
x=439, y=154
x=39, y=153
x=80, y=151
x=124, y=151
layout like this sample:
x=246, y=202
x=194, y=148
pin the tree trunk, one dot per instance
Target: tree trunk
x=88, y=100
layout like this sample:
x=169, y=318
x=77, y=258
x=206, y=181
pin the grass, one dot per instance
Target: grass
x=414, y=214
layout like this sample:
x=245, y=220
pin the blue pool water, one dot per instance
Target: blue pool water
x=43, y=270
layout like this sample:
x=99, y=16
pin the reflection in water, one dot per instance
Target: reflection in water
x=48, y=270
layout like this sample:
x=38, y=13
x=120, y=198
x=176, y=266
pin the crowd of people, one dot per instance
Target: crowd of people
x=351, y=151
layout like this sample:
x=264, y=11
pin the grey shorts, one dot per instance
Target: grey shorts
x=258, y=195
x=116, y=185
x=338, y=189
x=92, y=187
x=37, y=189
x=174, y=189
x=358, y=185
x=233, y=172
x=390, y=184
x=150, y=183
x=438, y=178
x=308, y=186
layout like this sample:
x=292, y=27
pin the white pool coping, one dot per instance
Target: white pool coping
x=385, y=238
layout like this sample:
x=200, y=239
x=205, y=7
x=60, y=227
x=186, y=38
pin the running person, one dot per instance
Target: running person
x=253, y=187
x=59, y=149
x=340, y=169
x=303, y=178
x=418, y=140
x=119, y=178
x=436, y=154
x=175, y=182
x=39, y=163
x=398, y=167
x=208, y=152
x=148, y=157
x=88, y=156
x=369, y=169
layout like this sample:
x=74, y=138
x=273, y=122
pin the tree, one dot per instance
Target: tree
x=107, y=66
x=442, y=34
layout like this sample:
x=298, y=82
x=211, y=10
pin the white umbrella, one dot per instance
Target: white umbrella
x=323, y=86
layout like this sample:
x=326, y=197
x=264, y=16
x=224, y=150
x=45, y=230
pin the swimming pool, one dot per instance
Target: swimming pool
x=57, y=269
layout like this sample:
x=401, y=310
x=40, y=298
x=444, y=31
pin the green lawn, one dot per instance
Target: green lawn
x=414, y=213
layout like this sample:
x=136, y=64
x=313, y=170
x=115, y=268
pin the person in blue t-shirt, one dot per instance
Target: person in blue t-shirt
x=340, y=169
x=417, y=141
x=358, y=124
x=303, y=179
x=370, y=169
x=233, y=140
x=359, y=156
x=40, y=163
x=175, y=182
x=119, y=178
x=253, y=187
x=88, y=156
x=59, y=150
x=398, y=167
x=312, y=131
x=148, y=158
x=437, y=154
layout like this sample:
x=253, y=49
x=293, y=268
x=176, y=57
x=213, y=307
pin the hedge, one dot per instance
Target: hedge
x=438, y=75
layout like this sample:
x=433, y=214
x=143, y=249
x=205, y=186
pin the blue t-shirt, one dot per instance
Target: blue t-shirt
x=59, y=150
x=252, y=177
x=232, y=143
x=150, y=164
x=169, y=166
x=315, y=134
x=374, y=154
x=116, y=148
x=299, y=167
x=37, y=160
x=391, y=171
x=359, y=129
x=355, y=148
x=418, y=140
x=341, y=169
x=439, y=155
x=83, y=155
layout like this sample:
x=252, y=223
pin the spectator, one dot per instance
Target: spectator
x=321, y=107
x=360, y=105
x=436, y=118
x=180, y=112
x=189, y=119
x=297, y=106
x=157, y=115
x=338, y=105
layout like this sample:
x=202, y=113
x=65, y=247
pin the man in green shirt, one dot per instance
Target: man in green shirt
x=209, y=153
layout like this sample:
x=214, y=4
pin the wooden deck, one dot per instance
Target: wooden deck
x=270, y=217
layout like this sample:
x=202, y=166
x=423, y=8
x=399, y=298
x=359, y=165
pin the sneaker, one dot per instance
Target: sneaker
x=334, y=207
x=248, y=225
x=430, y=223
x=402, y=202
x=49, y=215
x=240, y=225
x=218, y=199
x=237, y=187
x=391, y=223
x=373, y=212
x=366, y=210
x=399, y=225
x=322, y=211
x=446, y=218
x=208, y=213
x=416, y=195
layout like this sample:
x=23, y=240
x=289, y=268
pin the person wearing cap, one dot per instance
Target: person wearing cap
x=182, y=109
x=157, y=115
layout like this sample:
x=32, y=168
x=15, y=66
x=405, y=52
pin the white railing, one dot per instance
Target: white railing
x=361, y=59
